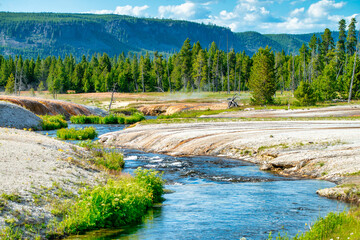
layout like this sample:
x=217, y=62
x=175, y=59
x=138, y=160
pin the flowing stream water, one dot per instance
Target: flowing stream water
x=219, y=198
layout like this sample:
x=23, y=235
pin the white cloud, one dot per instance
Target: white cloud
x=186, y=11
x=246, y=15
x=297, y=11
x=322, y=8
x=130, y=10
x=137, y=11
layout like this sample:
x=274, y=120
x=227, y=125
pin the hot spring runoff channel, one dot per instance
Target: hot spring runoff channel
x=219, y=198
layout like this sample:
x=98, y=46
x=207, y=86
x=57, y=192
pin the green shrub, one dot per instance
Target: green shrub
x=305, y=94
x=111, y=160
x=134, y=118
x=126, y=111
x=11, y=233
x=152, y=180
x=110, y=119
x=53, y=122
x=82, y=119
x=113, y=205
x=74, y=134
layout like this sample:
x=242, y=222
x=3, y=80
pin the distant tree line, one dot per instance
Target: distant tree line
x=323, y=70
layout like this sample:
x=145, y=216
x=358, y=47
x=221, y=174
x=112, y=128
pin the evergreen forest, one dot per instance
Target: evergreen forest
x=325, y=69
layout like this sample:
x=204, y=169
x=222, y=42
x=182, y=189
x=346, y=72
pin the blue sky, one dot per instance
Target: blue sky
x=264, y=16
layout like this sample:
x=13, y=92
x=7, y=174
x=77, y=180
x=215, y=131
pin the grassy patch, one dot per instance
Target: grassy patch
x=109, y=159
x=110, y=119
x=14, y=197
x=125, y=111
x=282, y=146
x=353, y=174
x=11, y=233
x=333, y=226
x=53, y=122
x=115, y=204
x=74, y=134
x=242, y=119
x=196, y=113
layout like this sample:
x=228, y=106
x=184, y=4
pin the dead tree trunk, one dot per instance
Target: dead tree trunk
x=112, y=96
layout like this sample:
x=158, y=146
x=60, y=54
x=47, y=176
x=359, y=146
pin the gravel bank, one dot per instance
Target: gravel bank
x=14, y=116
x=328, y=150
x=38, y=169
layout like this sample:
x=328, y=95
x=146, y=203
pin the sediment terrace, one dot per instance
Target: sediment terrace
x=42, y=106
x=328, y=150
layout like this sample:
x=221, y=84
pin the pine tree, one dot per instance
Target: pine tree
x=351, y=38
x=185, y=58
x=9, y=88
x=340, y=46
x=262, y=80
x=327, y=44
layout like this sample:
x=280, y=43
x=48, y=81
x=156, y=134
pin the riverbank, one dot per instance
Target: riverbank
x=37, y=173
x=328, y=150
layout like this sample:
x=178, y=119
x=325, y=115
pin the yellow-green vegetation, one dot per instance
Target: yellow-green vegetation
x=11, y=233
x=126, y=111
x=14, y=197
x=76, y=134
x=108, y=158
x=115, y=204
x=244, y=119
x=53, y=122
x=195, y=113
x=345, y=225
x=110, y=119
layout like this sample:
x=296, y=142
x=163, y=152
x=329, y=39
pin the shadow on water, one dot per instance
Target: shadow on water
x=220, y=198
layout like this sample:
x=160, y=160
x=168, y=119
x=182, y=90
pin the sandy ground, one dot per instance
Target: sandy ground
x=327, y=150
x=29, y=164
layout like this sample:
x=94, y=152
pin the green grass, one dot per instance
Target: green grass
x=110, y=119
x=109, y=159
x=126, y=111
x=113, y=205
x=334, y=226
x=11, y=233
x=243, y=119
x=14, y=197
x=74, y=134
x=53, y=122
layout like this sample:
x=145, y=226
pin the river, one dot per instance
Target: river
x=219, y=198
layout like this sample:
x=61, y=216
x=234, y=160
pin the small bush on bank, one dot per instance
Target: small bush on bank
x=305, y=95
x=111, y=160
x=110, y=119
x=53, y=122
x=74, y=134
x=113, y=205
x=134, y=118
x=82, y=119
x=126, y=111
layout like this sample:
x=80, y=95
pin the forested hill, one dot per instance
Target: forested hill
x=44, y=34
